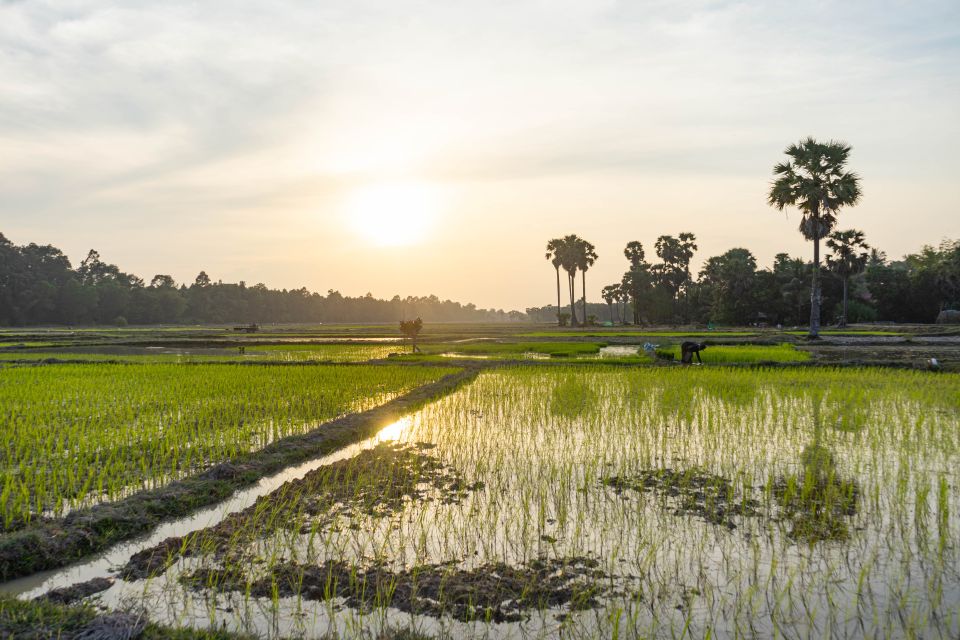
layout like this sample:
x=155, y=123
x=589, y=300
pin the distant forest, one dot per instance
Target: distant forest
x=38, y=285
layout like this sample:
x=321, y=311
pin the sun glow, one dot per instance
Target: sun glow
x=394, y=213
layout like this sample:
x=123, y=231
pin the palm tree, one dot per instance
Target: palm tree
x=816, y=182
x=849, y=258
x=553, y=255
x=568, y=251
x=611, y=292
x=586, y=256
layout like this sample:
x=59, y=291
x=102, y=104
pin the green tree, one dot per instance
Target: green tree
x=849, y=258
x=815, y=181
x=730, y=280
x=673, y=272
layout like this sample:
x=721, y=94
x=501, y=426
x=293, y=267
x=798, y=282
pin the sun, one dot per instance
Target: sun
x=393, y=213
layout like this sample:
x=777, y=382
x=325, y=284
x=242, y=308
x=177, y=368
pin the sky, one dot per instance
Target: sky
x=418, y=148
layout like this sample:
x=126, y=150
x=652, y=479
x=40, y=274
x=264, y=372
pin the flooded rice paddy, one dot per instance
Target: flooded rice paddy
x=590, y=502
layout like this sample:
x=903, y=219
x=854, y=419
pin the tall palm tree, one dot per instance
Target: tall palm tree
x=611, y=292
x=586, y=256
x=569, y=252
x=816, y=182
x=553, y=255
x=850, y=255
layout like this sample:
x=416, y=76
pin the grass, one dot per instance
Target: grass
x=253, y=353
x=551, y=349
x=72, y=434
x=638, y=332
x=730, y=502
x=741, y=353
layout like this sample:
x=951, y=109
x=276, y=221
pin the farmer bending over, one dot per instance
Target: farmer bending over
x=690, y=349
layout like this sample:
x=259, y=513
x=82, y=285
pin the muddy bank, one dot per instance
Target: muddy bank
x=50, y=544
x=376, y=483
x=494, y=592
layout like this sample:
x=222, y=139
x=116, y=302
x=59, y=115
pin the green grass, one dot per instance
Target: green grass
x=849, y=332
x=741, y=353
x=253, y=353
x=552, y=349
x=620, y=333
x=28, y=344
x=70, y=434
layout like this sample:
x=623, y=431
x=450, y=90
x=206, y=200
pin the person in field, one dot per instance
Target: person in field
x=689, y=349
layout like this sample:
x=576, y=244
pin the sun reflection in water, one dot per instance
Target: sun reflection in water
x=393, y=431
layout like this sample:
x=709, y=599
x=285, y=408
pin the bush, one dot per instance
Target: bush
x=856, y=312
x=120, y=321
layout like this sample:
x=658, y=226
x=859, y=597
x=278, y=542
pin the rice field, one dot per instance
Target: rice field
x=740, y=353
x=252, y=353
x=72, y=434
x=602, y=502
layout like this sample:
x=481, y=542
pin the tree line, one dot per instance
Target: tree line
x=730, y=289
x=38, y=285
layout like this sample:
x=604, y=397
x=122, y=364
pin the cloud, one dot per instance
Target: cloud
x=169, y=111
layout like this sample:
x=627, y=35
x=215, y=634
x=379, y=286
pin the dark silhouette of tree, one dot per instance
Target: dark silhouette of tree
x=815, y=181
x=849, y=258
x=554, y=249
x=568, y=249
x=160, y=281
x=637, y=279
x=610, y=294
x=410, y=330
x=730, y=282
x=586, y=256
x=673, y=272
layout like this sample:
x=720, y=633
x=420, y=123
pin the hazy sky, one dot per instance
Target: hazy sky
x=285, y=142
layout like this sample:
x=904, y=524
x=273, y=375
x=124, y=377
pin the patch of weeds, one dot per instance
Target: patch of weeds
x=492, y=592
x=818, y=502
x=691, y=492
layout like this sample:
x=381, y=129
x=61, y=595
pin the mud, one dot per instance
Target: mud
x=815, y=506
x=77, y=592
x=692, y=492
x=494, y=592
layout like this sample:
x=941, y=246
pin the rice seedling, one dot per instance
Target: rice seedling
x=594, y=501
x=740, y=353
x=76, y=434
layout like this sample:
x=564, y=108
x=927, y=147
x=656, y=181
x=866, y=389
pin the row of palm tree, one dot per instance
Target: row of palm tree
x=813, y=180
x=572, y=254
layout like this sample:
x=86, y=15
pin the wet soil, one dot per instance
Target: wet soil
x=691, y=492
x=77, y=592
x=815, y=506
x=494, y=591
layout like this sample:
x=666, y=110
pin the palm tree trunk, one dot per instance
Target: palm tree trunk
x=572, y=289
x=558, y=293
x=814, y=333
x=584, y=274
x=843, y=318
